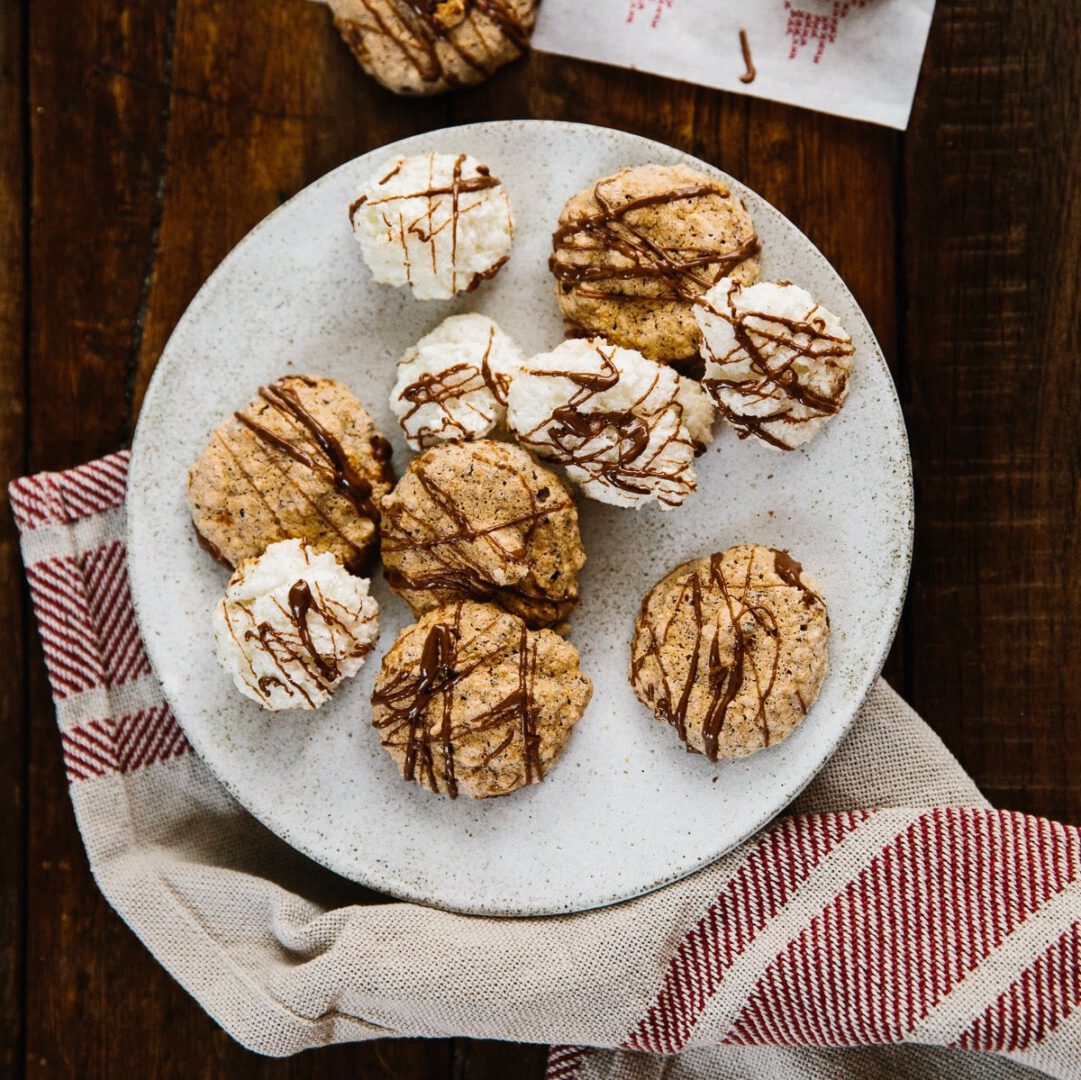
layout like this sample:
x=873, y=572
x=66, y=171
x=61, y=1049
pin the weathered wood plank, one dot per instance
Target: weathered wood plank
x=13, y=623
x=993, y=216
x=92, y=142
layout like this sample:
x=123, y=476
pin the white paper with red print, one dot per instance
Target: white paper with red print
x=856, y=58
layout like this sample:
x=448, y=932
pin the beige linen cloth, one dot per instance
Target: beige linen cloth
x=892, y=925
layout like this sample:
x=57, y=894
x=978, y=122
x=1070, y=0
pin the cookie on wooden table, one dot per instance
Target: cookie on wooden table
x=430, y=46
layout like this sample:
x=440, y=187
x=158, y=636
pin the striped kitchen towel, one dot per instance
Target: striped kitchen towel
x=893, y=925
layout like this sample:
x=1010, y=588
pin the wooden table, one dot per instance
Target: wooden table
x=140, y=141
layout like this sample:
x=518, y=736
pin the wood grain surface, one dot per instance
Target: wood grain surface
x=139, y=141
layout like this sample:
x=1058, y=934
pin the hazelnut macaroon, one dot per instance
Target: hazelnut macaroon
x=634, y=251
x=731, y=650
x=483, y=521
x=430, y=46
x=303, y=460
x=470, y=701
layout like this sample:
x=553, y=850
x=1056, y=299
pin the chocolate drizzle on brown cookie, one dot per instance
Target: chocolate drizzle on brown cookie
x=431, y=34
x=772, y=345
x=630, y=459
x=456, y=551
x=331, y=462
x=736, y=645
x=595, y=254
x=418, y=704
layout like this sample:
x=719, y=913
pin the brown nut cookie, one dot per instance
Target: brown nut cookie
x=303, y=460
x=430, y=46
x=731, y=650
x=483, y=521
x=634, y=251
x=469, y=700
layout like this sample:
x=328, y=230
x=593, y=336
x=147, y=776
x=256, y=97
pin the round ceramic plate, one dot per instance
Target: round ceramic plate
x=626, y=808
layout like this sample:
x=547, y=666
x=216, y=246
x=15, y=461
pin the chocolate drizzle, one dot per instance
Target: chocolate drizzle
x=414, y=709
x=430, y=544
x=300, y=605
x=299, y=666
x=334, y=464
x=427, y=224
x=454, y=393
x=732, y=643
x=610, y=254
x=302, y=460
x=628, y=449
x=762, y=370
x=749, y=72
x=437, y=38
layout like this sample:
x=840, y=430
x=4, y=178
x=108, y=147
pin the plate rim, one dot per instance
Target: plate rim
x=372, y=878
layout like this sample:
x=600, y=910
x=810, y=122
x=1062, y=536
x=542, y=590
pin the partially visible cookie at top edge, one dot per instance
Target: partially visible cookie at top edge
x=483, y=521
x=732, y=649
x=424, y=47
x=634, y=251
x=302, y=460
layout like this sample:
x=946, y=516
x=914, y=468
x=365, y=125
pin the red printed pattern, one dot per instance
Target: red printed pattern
x=805, y=26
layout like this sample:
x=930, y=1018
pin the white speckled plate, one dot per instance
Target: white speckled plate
x=626, y=809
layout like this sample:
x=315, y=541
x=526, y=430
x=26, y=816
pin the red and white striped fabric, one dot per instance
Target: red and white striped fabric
x=894, y=925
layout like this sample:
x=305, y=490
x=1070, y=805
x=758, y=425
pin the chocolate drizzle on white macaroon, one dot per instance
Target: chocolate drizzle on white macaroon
x=777, y=362
x=626, y=429
x=439, y=223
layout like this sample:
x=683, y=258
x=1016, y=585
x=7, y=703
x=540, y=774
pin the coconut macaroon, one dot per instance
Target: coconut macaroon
x=627, y=429
x=439, y=223
x=777, y=362
x=293, y=625
x=483, y=521
x=731, y=650
x=302, y=460
x=470, y=701
x=430, y=46
x=634, y=251
x=452, y=385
